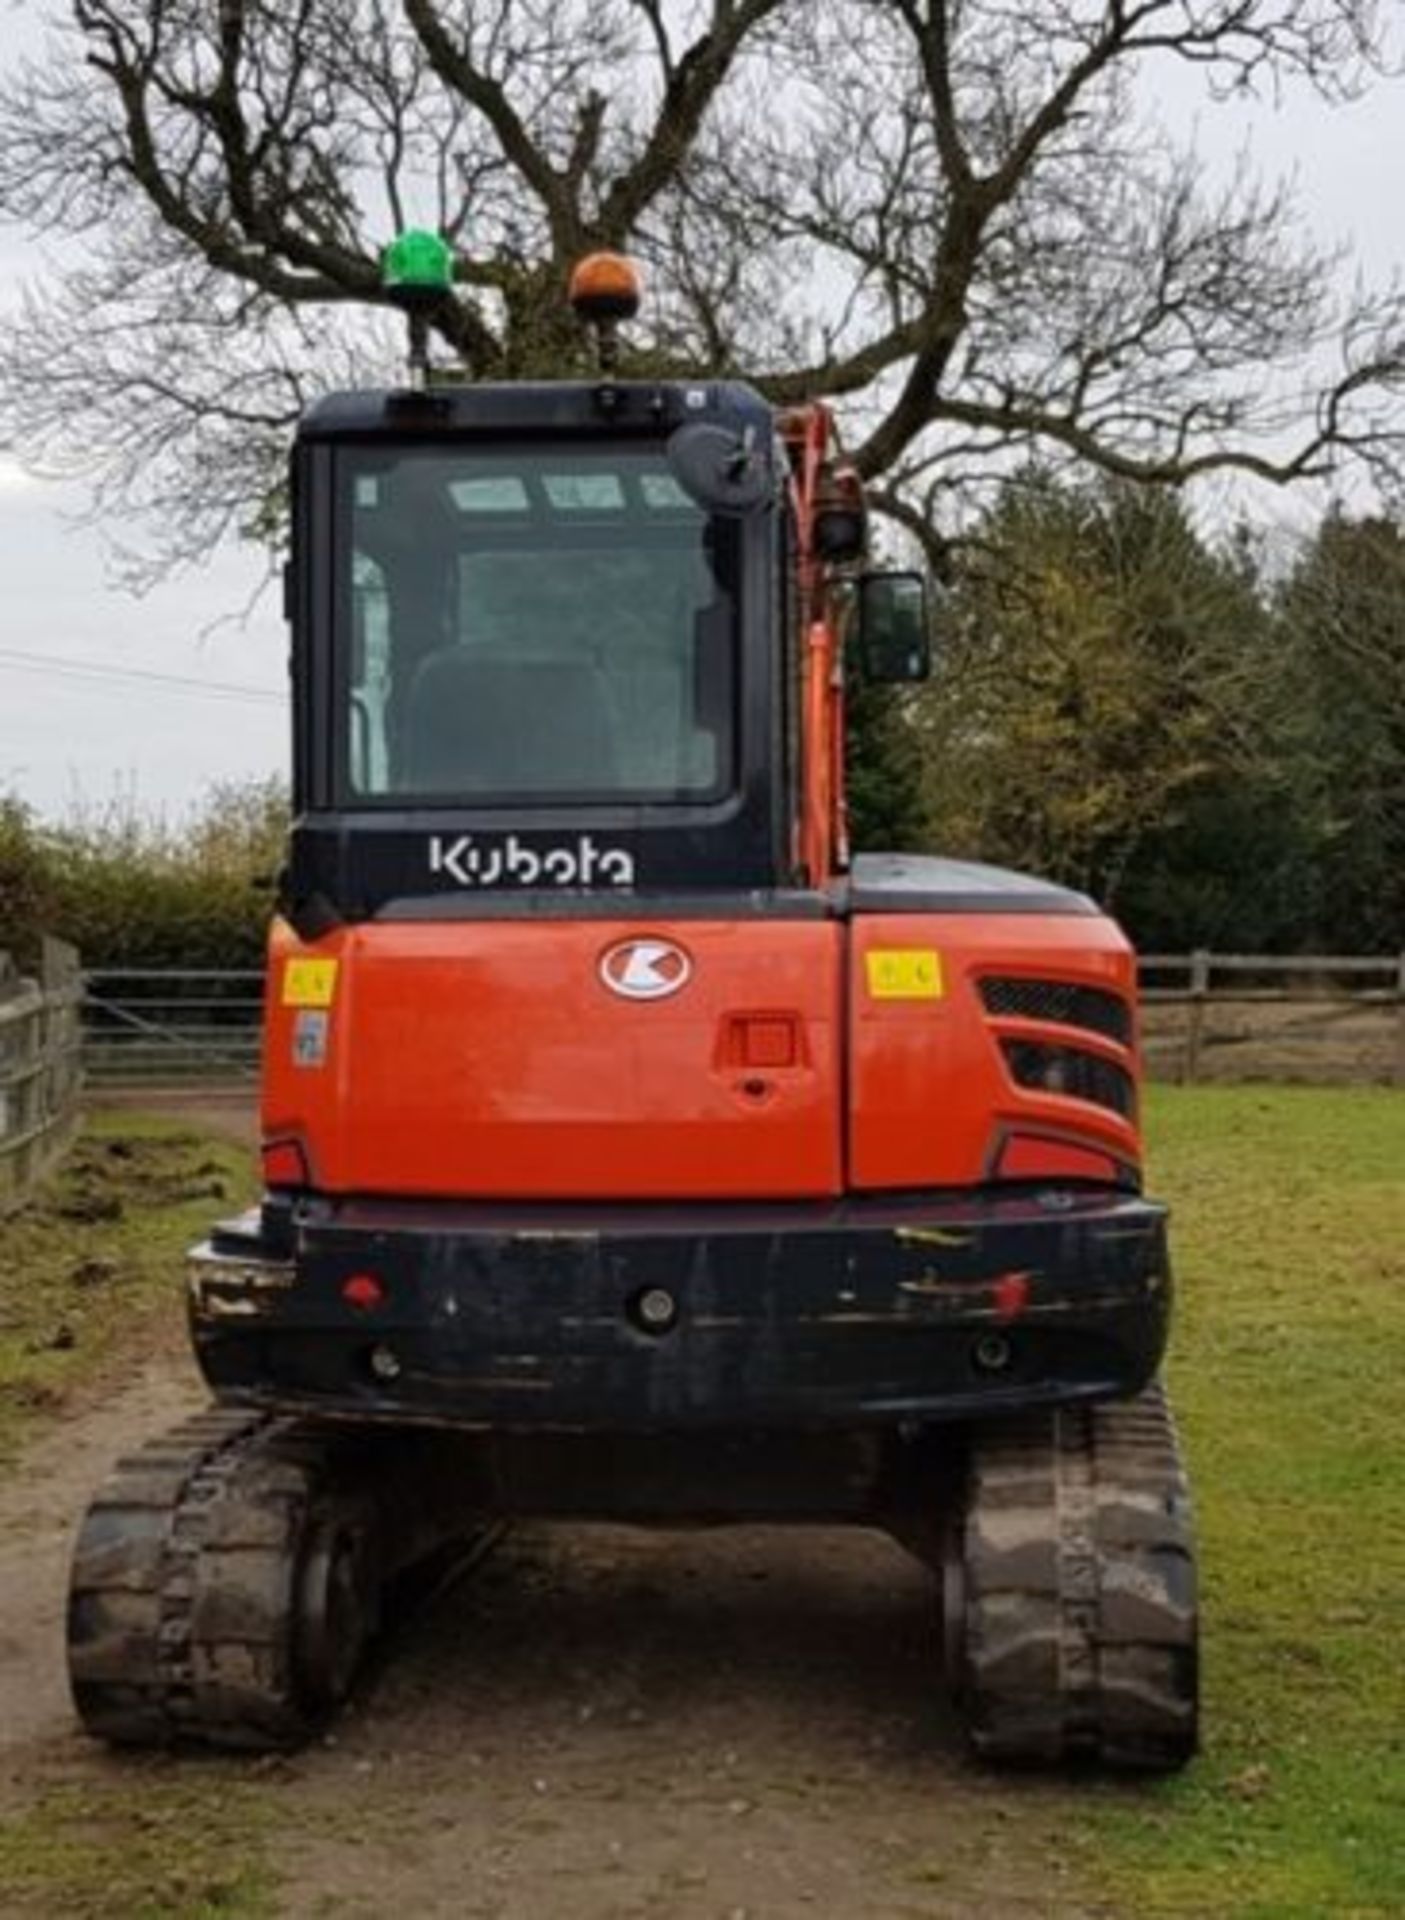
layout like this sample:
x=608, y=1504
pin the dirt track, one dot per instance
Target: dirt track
x=596, y=1722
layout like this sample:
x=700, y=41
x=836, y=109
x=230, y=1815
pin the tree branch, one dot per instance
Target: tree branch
x=458, y=72
x=690, y=88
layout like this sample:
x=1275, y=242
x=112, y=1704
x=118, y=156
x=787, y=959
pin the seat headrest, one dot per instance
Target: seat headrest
x=478, y=724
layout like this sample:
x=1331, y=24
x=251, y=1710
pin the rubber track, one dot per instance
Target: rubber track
x=181, y=1621
x=1078, y=1632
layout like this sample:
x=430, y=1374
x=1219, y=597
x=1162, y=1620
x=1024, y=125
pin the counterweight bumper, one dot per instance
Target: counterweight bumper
x=865, y=1312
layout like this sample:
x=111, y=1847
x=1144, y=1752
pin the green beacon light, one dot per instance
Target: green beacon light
x=417, y=265
x=417, y=272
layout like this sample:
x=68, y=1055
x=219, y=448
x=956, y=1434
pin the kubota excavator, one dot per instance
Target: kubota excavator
x=629, y=1150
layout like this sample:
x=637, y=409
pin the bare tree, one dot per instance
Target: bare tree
x=953, y=216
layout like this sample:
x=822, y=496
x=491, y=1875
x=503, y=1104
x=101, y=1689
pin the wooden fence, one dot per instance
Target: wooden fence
x=1250, y=1016
x=39, y=1072
x=1205, y=1016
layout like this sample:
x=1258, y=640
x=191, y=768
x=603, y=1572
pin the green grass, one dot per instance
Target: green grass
x=1288, y=1374
x=85, y=1272
x=167, y=1843
x=98, y=1250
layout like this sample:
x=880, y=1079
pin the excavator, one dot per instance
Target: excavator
x=631, y=1149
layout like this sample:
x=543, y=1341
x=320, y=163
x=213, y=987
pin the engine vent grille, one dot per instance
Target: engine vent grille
x=1064, y=1002
x=1051, y=1069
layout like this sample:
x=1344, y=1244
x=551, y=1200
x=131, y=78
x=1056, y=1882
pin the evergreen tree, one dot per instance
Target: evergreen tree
x=1341, y=622
x=1105, y=675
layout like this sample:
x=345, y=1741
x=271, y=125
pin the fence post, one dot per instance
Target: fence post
x=38, y=1069
x=1399, y=1074
x=61, y=978
x=1195, y=1015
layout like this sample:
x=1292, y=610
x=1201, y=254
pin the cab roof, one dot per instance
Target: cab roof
x=546, y=407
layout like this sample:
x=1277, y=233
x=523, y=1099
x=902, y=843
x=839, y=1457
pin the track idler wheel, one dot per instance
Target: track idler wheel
x=224, y=1588
x=338, y=1604
x=1069, y=1590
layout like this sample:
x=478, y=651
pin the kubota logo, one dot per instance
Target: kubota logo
x=645, y=969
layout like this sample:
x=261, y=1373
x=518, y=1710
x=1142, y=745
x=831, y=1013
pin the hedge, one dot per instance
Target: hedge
x=129, y=891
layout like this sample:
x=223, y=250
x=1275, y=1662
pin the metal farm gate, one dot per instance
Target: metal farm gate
x=171, y=1027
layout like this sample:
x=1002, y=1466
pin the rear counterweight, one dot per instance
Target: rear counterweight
x=872, y=1313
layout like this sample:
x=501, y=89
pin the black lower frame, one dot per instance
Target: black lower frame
x=865, y=1313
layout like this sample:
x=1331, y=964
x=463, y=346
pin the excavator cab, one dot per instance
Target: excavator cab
x=629, y=1149
x=517, y=628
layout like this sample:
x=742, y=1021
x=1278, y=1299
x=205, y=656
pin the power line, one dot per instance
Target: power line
x=104, y=671
x=107, y=670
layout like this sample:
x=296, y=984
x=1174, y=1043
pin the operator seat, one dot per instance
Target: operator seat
x=483, y=724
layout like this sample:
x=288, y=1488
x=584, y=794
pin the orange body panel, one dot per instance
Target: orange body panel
x=489, y=1059
x=929, y=1090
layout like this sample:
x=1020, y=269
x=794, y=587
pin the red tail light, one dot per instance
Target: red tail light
x=285, y=1164
x=1031, y=1156
x=363, y=1292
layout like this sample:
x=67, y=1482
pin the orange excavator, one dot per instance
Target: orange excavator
x=630, y=1150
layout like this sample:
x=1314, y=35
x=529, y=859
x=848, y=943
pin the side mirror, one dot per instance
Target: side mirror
x=894, y=643
x=721, y=471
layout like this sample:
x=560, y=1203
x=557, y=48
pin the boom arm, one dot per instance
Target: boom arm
x=822, y=838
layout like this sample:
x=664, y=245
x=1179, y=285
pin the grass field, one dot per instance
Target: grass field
x=1288, y=1373
x=98, y=1251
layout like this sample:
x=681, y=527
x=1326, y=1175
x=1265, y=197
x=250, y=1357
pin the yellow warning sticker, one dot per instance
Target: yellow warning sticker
x=904, y=973
x=309, y=983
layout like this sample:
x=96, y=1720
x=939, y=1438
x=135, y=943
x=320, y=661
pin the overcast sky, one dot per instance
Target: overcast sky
x=70, y=737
